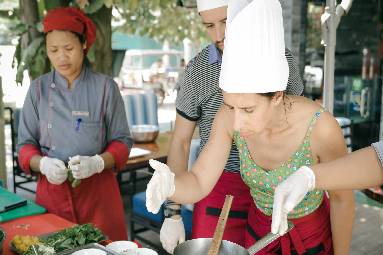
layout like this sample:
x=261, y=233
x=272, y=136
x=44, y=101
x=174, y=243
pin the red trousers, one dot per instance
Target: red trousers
x=311, y=234
x=206, y=212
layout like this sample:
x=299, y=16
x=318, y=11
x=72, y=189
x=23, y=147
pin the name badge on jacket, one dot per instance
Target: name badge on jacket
x=80, y=113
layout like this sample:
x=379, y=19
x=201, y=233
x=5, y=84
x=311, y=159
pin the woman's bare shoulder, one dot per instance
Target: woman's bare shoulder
x=302, y=108
x=224, y=118
x=304, y=111
x=326, y=133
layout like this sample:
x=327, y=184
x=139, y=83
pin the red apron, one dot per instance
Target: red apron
x=96, y=200
x=206, y=212
x=311, y=234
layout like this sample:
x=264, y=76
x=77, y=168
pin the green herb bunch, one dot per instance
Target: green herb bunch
x=67, y=239
x=74, y=182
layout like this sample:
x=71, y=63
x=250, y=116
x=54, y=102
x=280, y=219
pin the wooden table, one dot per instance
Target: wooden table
x=159, y=151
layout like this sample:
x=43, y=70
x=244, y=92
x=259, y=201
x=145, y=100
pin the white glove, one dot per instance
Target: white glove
x=84, y=166
x=160, y=187
x=54, y=169
x=172, y=233
x=288, y=194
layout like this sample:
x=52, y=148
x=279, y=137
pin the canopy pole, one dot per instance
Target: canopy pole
x=330, y=20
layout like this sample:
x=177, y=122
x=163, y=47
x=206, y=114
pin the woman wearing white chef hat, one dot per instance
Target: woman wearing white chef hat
x=198, y=101
x=275, y=135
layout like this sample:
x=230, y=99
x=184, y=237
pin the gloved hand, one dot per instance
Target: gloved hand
x=172, y=233
x=288, y=194
x=84, y=166
x=160, y=187
x=54, y=169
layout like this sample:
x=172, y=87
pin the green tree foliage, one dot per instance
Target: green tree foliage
x=161, y=20
x=30, y=52
x=158, y=19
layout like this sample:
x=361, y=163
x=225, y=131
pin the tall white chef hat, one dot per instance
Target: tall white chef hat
x=204, y=5
x=254, y=58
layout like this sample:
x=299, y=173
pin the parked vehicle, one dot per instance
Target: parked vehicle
x=154, y=68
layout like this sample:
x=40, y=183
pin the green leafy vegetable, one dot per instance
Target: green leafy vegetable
x=68, y=239
x=74, y=182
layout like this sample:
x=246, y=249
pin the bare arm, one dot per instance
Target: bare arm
x=195, y=185
x=358, y=170
x=35, y=163
x=178, y=155
x=180, y=145
x=329, y=145
x=109, y=161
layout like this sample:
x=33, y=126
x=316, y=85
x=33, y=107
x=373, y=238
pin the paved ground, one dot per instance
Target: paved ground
x=368, y=227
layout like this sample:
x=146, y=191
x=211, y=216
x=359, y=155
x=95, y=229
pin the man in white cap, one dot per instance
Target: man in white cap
x=198, y=100
x=275, y=135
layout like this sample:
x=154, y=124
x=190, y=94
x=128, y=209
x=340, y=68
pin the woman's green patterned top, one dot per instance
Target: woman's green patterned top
x=263, y=182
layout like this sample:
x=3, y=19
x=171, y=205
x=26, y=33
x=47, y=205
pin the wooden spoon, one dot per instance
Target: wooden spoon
x=220, y=228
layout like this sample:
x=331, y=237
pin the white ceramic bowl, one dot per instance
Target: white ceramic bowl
x=89, y=252
x=146, y=251
x=123, y=247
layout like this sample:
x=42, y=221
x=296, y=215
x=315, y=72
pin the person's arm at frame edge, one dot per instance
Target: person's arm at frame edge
x=357, y=170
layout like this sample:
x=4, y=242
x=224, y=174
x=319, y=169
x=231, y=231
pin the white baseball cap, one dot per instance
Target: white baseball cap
x=254, y=58
x=205, y=5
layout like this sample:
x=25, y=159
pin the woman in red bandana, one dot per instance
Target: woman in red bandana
x=73, y=119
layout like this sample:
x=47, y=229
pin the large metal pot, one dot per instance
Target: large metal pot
x=200, y=246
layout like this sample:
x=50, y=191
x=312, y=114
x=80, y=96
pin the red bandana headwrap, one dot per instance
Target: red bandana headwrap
x=71, y=19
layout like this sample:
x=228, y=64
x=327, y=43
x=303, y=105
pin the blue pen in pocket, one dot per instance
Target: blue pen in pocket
x=78, y=122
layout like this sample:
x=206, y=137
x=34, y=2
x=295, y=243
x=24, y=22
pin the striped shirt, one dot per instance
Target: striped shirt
x=199, y=96
x=378, y=147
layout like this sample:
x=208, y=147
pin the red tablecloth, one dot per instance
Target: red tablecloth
x=32, y=225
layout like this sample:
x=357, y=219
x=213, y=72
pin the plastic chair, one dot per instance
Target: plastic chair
x=141, y=108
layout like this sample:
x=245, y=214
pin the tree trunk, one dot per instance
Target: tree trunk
x=102, y=49
x=3, y=169
x=29, y=15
